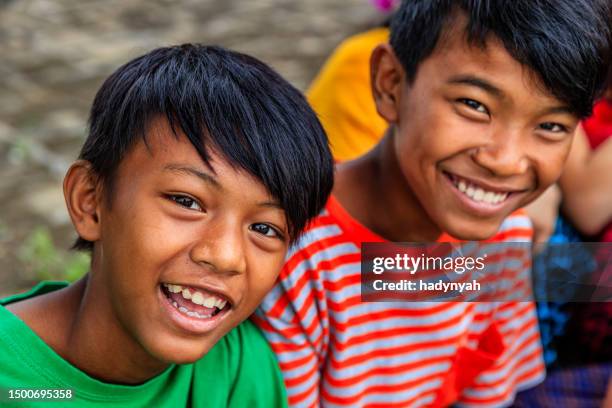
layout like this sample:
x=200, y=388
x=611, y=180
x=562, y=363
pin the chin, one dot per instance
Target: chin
x=472, y=231
x=179, y=351
x=188, y=358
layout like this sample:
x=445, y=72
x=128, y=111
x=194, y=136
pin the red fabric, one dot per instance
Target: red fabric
x=469, y=363
x=598, y=128
x=335, y=349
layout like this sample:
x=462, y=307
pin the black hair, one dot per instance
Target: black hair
x=223, y=101
x=565, y=42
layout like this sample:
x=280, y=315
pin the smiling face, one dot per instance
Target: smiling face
x=475, y=135
x=185, y=253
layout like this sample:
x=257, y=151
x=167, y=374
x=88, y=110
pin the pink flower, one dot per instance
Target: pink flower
x=383, y=5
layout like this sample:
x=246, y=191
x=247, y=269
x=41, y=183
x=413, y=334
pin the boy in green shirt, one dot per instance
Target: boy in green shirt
x=200, y=168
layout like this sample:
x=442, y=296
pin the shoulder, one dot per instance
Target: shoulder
x=320, y=262
x=40, y=289
x=517, y=227
x=46, y=310
x=243, y=344
x=323, y=231
x=248, y=337
x=243, y=363
x=325, y=240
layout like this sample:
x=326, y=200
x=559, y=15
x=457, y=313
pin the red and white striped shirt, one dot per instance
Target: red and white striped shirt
x=337, y=351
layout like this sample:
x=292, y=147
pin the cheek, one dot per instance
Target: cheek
x=152, y=235
x=549, y=164
x=142, y=244
x=435, y=134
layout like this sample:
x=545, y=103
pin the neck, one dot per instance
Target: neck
x=97, y=343
x=375, y=192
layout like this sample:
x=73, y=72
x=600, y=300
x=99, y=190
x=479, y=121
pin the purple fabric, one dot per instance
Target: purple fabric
x=578, y=387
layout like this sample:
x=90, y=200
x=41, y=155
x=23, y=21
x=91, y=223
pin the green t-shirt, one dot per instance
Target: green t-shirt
x=239, y=371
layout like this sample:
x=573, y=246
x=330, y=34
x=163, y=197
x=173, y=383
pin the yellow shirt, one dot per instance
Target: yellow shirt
x=342, y=97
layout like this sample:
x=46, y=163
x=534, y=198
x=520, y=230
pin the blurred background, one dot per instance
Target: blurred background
x=55, y=55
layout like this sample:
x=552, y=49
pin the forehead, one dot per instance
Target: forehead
x=454, y=56
x=164, y=152
x=159, y=147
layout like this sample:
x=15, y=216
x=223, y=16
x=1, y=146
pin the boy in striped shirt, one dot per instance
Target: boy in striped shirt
x=482, y=98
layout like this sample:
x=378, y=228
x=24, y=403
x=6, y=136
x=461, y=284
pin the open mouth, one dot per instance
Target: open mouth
x=194, y=302
x=477, y=193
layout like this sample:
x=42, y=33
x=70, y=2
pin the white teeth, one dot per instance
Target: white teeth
x=190, y=313
x=462, y=186
x=197, y=298
x=478, y=194
x=186, y=294
x=489, y=197
x=173, y=288
x=209, y=302
x=499, y=197
x=206, y=301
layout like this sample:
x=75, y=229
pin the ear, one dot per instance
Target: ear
x=386, y=77
x=83, y=196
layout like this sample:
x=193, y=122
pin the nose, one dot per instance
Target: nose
x=221, y=247
x=504, y=156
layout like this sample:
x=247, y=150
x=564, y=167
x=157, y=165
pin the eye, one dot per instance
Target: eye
x=185, y=201
x=475, y=105
x=266, y=230
x=553, y=127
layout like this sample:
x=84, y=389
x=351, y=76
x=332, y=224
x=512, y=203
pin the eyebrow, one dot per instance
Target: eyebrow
x=207, y=178
x=565, y=110
x=495, y=91
x=477, y=82
x=271, y=204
